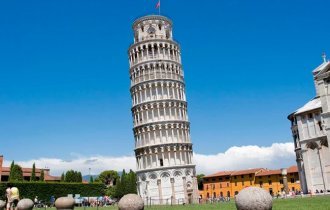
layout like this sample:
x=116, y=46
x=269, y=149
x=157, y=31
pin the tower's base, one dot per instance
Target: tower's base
x=168, y=186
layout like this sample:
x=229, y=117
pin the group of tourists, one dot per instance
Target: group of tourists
x=12, y=198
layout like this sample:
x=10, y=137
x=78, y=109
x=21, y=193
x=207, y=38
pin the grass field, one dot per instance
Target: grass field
x=315, y=203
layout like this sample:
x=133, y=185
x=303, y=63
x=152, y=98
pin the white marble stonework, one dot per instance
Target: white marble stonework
x=310, y=127
x=163, y=149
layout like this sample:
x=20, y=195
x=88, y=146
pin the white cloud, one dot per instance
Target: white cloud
x=276, y=156
x=80, y=163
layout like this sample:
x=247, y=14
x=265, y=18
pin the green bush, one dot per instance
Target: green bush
x=44, y=190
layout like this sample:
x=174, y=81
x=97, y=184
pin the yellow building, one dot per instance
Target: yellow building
x=229, y=183
x=272, y=180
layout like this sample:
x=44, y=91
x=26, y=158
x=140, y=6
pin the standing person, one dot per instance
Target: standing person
x=14, y=197
x=8, y=195
x=52, y=201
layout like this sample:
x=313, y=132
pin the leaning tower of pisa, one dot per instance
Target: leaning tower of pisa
x=165, y=170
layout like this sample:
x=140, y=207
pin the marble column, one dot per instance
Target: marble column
x=160, y=192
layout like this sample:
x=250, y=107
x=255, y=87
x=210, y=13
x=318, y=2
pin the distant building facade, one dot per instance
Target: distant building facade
x=310, y=127
x=5, y=172
x=164, y=156
x=230, y=183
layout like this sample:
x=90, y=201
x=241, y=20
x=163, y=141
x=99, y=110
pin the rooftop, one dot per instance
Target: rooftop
x=221, y=173
x=291, y=169
x=311, y=105
x=257, y=171
x=321, y=67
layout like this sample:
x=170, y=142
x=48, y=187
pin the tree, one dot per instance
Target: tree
x=126, y=184
x=91, y=180
x=73, y=176
x=42, y=175
x=121, y=185
x=62, y=177
x=200, y=181
x=131, y=183
x=79, y=177
x=33, y=173
x=111, y=191
x=16, y=173
x=109, y=177
x=11, y=168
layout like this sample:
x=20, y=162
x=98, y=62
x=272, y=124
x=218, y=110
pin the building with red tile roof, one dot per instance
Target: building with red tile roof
x=229, y=183
x=5, y=171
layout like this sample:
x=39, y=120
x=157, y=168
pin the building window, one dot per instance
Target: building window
x=320, y=125
x=310, y=116
x=242, y=176
x=213, y=180
x=220, y=179
x=161, y=162
x=214, y=194
x=270, y=182
x=208, y=195
x=281, y=181
x=292, y=180
x=250, y=175
x=235, y=177
x=227, y=177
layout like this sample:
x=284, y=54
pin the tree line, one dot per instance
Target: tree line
x=16, y=173
x=116, y=185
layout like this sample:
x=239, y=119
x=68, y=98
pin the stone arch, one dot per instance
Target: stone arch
x=143, y=177
x=165, y=175
x=153, y=176
x=188, y=172
x=324, y=142
x=312, y=145
x=177, y=173
x=189, y=185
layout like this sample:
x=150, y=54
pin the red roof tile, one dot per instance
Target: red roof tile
x=248, y=171
x=293, y=169
x=220, y=173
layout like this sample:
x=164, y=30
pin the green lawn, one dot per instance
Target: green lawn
x=315, y=203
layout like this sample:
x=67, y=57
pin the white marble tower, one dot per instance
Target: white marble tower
x=310, y=127
x=165, y=170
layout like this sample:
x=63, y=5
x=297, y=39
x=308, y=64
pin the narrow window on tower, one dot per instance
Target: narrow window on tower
x=161, y=163
x=320, y=125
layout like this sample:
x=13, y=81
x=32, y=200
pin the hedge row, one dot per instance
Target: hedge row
x=45, y=190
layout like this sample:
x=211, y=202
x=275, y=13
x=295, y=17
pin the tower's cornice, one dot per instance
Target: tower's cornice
x=154, y=146
x=156, y=80
x=163, y=122
x=150, y=40
x=151, y=17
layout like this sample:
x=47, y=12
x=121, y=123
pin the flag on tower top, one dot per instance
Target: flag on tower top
x=158, y=4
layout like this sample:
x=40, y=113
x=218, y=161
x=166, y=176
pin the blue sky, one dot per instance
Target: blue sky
x=64, y=83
